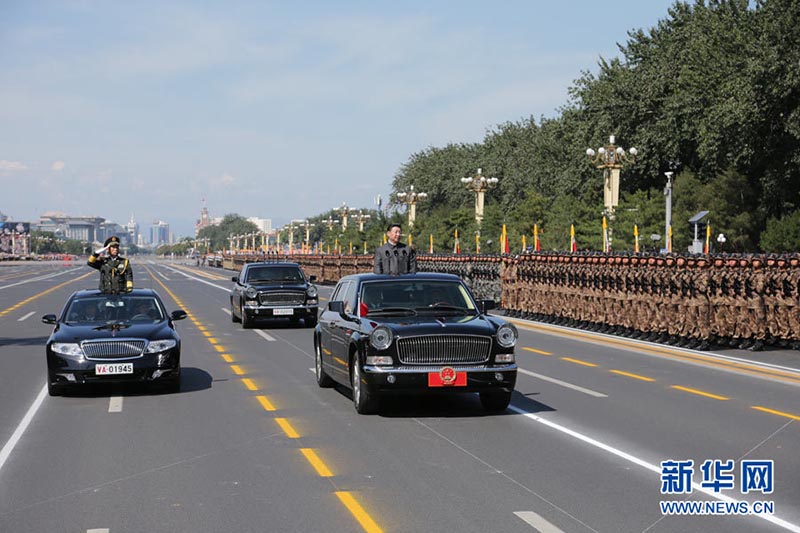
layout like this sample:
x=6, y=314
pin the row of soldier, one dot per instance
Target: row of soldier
x=695, y=301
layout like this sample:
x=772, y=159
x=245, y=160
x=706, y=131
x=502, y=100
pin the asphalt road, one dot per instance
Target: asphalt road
x=250, y=443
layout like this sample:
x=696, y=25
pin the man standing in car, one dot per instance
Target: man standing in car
x=116, y=275
x=395, y=257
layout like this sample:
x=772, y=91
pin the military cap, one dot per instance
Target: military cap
x=112, y=241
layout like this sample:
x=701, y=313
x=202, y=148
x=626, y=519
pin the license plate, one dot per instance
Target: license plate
x=113, y=369
x=447, y=377
x=282, y=312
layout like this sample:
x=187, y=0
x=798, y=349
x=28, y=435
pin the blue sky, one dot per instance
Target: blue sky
x=278, y=110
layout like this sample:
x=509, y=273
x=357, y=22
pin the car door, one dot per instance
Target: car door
x=328, y=322
x=341, y=329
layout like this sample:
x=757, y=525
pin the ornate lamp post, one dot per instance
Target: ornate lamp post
x=361, y=218
x=410, y=198
x=479, y=184
x=611, y=158
x=330, y=221
x=343, y=211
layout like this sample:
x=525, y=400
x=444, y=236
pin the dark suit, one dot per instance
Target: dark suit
x=398, y=259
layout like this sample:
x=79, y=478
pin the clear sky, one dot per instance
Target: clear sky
x=273, y=109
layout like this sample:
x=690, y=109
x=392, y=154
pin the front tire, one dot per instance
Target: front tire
x=323, y=379
x=54, y=389
x=495, y=401
x=363, y=401
x=311, y=320
x=234, y=318
x=247, y=320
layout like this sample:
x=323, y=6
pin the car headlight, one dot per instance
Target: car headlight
x=160, y=346
x=312, y=292
x=251, y=292
x=381, y=338
x=67, y=348
x=507, y=335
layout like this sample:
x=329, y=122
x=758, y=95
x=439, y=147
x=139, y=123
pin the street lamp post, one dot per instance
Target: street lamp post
x=668, y=194
x=330, y=221
x=343, y=211
x=361, y=217
x=611, y=159
x=410, y=198
x=479, y=185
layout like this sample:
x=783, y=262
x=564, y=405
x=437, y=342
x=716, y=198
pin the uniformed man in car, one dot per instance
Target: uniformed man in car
x=116, y=274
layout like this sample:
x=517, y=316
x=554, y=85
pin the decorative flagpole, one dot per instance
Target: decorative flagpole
x=605, y=235
x=477, y=243
x=456, y=244
x=431, y=247
x=573, y=243
x=636, y=238
x=536, y=246
x=707, y=247
x=524, y=246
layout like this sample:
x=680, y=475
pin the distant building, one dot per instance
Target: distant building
x=204, y=221
x=159, y=233
x=132, y=228
x=81, y=228
x=264, y=224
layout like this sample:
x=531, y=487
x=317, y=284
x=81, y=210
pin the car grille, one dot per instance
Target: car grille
x=116, y=349
x=282, y=298
x=444, y=349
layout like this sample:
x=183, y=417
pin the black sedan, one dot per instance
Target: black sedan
x=109, y=338
x=274, y=290
x=420, y=333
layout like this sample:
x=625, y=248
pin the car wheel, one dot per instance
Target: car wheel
x=234, y=318
x=247, y=320
x=364, y=402
x=495, y=401
x=311, y=320
x=53, y=389
x=323, y=379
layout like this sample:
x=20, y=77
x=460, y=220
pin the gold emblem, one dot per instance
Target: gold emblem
x=447, y=375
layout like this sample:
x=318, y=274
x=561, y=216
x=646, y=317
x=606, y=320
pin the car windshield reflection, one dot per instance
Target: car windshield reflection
x=114, y=309
x=411, y=297
x=274, y=274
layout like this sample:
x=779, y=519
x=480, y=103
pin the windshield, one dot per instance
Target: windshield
x=415, y=297
x=114, y=308
x=272, y=274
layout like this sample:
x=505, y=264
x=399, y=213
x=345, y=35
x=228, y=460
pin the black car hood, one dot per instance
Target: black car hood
x=75, y=333
x=278, y=285
x=432, y=325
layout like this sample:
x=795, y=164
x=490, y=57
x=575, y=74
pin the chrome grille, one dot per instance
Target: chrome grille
x=113, y=349
x=282, y=298
x=444, y=349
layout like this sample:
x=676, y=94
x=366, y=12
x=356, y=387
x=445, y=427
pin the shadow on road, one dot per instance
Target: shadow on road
x=192, y=379
x=24, y=341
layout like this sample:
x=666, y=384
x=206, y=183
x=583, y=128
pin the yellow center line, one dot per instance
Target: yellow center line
x=705, y=360
x=212, y=340
x=358, y=512
x=219, y=348
x=699, y=392
x=237, y=370
x=534, y=350
x=249, y=384
x=287, y=428
x=774, y=412
x=316, y=462
x=265, y=403
x=207, y=333
x=37, y=296
x=227, y=358
x=577, y=361
x=634, y=376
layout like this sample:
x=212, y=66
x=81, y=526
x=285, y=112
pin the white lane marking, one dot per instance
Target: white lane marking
x=98, y=530
x=226, y=310
x=590, y=392
x=115, y=404
x=227, y=289
x=162, y=275
x=265, y=335
x=40, y=278
x=644, y=464
x=23, y=425
x=537, y=522
x=26, y=316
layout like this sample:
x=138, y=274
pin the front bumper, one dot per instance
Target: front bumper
x=156, y=367
x=415, y=379
x=255, y=309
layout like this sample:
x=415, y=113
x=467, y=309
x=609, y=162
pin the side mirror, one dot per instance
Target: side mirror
x=49, y=319
x=336, y=307
x=179, y=314
x=312, y=279
x=487, y=305
x=235, y=278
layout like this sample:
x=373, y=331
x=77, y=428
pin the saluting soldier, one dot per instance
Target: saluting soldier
x=116, y=274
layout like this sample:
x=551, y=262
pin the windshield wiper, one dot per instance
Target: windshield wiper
x=443, y=307
x=387, y=311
